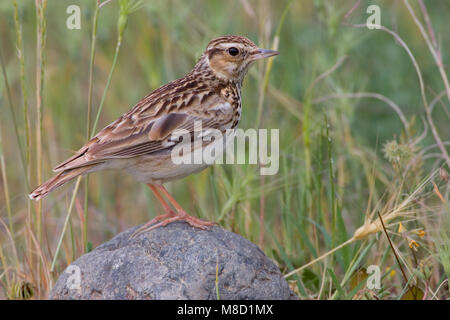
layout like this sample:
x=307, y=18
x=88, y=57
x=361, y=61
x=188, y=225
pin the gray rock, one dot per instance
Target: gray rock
x=173, y=262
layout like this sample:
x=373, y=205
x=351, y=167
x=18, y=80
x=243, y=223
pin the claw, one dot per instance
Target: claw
x=155, y=219
x=183, y=216
x=172, y=217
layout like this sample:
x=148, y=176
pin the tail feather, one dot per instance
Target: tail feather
x=57, y=181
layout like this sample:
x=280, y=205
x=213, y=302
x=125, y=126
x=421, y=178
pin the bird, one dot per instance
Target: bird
x=140, y=141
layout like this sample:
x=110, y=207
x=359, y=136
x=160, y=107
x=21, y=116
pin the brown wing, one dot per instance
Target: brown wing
x=147, y=127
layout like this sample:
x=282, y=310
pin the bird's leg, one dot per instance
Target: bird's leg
x=169, y=212
x=181, y=216
x=163, y=202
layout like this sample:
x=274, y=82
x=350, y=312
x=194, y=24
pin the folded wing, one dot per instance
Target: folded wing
x=136, y=134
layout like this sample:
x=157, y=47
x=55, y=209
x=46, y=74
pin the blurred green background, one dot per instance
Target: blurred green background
x=333, y=168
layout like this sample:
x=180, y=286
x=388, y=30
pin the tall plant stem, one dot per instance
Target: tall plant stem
x=395, y=254
x=66, y=223
x=88, y=127
x=26, y=117
x=100, y=108
x=40, y=64
x=321, y=257
x=332, y=187
x=5, y=186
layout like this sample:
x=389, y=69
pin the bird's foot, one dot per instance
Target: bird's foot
x=192, y=221
x=172, y=217
x=148, y=225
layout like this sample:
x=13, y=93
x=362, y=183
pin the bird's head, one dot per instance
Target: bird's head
x=229, y=57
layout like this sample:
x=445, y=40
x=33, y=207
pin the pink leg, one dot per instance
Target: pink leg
x=182, y=215
x=169, y=212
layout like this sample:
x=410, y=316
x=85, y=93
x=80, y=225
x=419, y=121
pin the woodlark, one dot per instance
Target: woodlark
x=140, y=141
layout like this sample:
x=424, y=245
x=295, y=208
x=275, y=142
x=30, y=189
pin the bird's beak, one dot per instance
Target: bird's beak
x=263, y=53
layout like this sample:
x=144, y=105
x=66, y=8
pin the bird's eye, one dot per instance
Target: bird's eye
x=233, y=51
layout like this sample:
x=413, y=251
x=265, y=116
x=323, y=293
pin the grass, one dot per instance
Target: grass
x=363, y=118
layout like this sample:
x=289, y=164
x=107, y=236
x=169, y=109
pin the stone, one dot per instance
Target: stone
x=173, y=262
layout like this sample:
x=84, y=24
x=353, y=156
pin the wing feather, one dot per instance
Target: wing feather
x=135, y=134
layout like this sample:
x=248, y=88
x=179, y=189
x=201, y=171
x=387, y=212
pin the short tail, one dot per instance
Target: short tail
x=57, y=181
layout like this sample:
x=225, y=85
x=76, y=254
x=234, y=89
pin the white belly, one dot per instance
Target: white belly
x=159, y=168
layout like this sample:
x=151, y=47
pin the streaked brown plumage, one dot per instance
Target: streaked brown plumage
x=140, y=143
